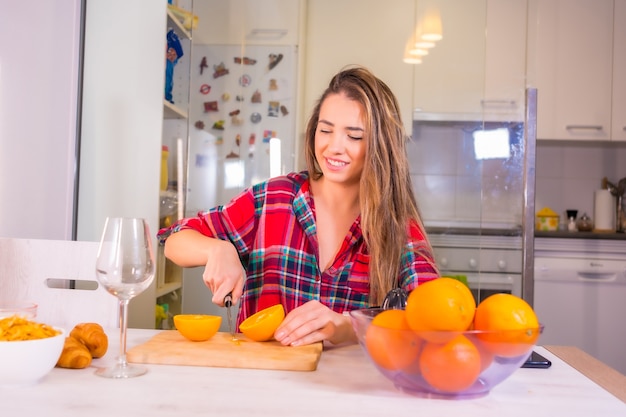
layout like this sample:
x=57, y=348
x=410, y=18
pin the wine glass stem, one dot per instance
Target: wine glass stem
x=123, y=326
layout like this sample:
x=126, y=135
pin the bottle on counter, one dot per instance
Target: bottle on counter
x=571, y=225
x=585, y=224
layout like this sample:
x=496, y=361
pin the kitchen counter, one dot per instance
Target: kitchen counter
x=344, y=384
x=564, y=234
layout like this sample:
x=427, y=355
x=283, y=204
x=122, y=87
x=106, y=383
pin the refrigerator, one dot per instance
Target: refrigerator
x=241, y=131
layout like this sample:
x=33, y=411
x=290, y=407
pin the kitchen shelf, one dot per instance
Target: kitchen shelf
x=171, y=111
x=168, y=288
x=174, y=23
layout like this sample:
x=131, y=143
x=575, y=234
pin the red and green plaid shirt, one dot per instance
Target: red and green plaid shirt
x=272, y=226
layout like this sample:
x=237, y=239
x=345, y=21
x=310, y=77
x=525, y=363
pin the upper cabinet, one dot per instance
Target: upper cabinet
x=618, y=121
x=247, y=22
x=570, y=62
x=477, y=69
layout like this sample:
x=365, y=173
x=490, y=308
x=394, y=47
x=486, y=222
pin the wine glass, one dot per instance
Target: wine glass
x=125, y=267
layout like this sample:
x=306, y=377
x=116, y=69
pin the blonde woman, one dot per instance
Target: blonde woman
x=324, y=241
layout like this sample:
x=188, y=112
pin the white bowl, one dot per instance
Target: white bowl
x=25, y=362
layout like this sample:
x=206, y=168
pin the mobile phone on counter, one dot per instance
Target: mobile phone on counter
x=536, y=360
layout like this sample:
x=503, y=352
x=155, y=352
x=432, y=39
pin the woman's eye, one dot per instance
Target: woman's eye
x=324, y=131
x=355, y=137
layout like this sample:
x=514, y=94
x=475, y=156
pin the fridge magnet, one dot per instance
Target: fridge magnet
x=219, y=140
x=199, y=125
x=210, y=106
x=218, y=125
x=239, y=98
x=205, y=89
x=273, y=108
x=255, y=117
x=225, y=97
x=273, y=85
x=203, y=65
x=284, y=111
x=172, y=55
x=274, y=60
x=234, y=112
x=245, y=60
x=238, y=140
x=252, y=139
x=219, y=70
x=232, y=155
x=268, y=134
x=245, y=80
x=256, y=97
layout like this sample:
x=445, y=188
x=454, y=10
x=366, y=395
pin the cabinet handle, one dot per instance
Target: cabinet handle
x=586, y=127
x=511, y=103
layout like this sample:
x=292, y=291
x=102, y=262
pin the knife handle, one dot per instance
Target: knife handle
x=228, y=300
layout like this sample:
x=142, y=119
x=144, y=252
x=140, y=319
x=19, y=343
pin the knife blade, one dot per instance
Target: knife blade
x=228, y=302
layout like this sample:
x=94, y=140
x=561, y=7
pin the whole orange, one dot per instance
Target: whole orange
x=510, y=323
x=452, y=366
x=390, y=342
x=441, y=304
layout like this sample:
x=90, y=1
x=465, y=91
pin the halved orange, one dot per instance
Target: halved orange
x=261, y=326
x=197, y=327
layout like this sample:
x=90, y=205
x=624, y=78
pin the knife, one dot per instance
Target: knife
x=228, y=302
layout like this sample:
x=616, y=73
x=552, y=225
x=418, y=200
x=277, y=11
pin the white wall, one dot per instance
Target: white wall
x=39, y=58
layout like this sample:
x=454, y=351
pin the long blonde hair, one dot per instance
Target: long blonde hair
x=387, y=202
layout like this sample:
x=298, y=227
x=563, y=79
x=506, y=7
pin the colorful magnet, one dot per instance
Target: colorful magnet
x=272, y=108
x=232, y=155
x=245, y=80
x=225, y=97
x=275, y=60
x=256, y=97
x=205, y=89
x=245, y=60
x=255, y=117
x=199, y=125
x=203, y=65
x=236, y=120
x=268, y=134
x=218, y=125
x=219, y=70
x=238, y=140
x=239, y=98
x=284, y=110
x=210, y=106
x=251, y=139
x=219, y=140
x=273, y=85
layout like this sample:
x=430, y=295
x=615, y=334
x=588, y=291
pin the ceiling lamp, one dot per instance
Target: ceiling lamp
x=409, y=57
x=431, y=26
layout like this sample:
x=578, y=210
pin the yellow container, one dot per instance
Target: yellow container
x=164, y=174
x=547, y=220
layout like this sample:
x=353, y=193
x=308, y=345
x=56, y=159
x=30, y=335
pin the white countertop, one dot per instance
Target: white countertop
x=344, y=384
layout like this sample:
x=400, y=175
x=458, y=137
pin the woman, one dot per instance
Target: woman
x=325, y=241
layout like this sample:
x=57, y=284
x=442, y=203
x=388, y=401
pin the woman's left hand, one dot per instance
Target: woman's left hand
x=314, y=322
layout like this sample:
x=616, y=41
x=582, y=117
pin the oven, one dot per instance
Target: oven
x=490, y=263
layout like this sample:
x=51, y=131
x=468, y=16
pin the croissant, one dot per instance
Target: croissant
x=75, y=355
x=92, y=335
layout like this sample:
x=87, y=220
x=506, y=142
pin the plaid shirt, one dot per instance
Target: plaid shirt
x=272, y=226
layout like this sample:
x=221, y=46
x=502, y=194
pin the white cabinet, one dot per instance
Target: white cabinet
x=618, y=120
x=478, y=69
x=570, y=54
x=247, y=22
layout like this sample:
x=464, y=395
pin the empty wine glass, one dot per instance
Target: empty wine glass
x=125, y=267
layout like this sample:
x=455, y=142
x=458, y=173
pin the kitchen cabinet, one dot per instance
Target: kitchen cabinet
x=570, y=62
x=122, y=123
x=365, y=32
x=248, y=22
x=618, y=120
x=477, y=70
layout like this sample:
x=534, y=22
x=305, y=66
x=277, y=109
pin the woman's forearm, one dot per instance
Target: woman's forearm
x=189, y=248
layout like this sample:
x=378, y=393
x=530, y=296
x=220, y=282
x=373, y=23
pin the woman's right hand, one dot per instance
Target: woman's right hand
x=223, y=272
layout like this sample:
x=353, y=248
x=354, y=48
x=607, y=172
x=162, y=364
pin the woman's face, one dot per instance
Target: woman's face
x=340, y=139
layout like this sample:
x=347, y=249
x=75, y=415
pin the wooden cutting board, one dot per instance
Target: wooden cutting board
x=169, y=347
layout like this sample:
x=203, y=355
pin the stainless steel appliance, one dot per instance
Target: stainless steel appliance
x=474, y=181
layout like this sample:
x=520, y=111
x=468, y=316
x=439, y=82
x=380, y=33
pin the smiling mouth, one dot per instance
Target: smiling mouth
x=336, y=163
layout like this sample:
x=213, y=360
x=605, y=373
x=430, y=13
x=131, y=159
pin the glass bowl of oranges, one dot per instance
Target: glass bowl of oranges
x=444, y=345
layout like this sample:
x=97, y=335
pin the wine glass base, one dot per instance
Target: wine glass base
x=121, y=371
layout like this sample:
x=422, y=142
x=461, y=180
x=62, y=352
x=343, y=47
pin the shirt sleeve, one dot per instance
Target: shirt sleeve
x=418, y=261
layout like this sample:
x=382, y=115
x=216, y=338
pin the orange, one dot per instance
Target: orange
x=197, y=327
x=511, y=325
x=261, y=326
x=390, y=342
x=441, y=304
x=452, y=366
